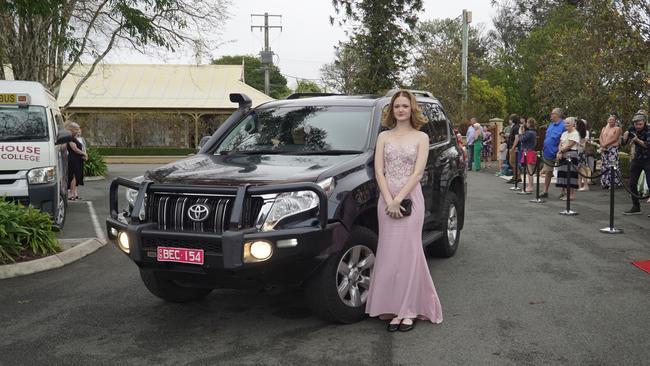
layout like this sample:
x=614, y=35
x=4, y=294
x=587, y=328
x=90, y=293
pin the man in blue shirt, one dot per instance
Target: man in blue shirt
x=551, y=143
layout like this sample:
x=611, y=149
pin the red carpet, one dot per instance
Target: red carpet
x=644, y=265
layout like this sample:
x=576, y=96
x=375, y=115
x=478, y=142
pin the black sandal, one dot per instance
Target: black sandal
x=394, y=327
x=406, y=327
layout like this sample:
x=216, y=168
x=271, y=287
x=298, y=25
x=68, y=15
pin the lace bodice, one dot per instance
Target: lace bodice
x=399, y=163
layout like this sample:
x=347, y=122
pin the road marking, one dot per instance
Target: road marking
x=93, y=216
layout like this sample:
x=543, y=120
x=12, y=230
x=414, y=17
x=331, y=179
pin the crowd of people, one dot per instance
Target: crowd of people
x=569, y=153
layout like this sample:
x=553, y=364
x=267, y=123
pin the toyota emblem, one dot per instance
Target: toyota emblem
x=198, y=212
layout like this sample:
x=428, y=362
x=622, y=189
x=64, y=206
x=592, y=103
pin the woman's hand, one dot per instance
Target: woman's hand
x=394, y=209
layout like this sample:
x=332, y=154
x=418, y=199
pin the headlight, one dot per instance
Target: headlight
x=287, y=204
x=132, y=194
x=292, y=203
x=41, y=175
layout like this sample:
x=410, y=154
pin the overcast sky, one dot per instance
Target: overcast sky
x=307, y=38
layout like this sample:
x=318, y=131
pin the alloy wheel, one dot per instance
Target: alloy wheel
x=353, y=275
x=452, y=225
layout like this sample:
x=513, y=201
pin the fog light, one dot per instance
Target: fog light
x=261, y=250
x=123, y=241
x=257, y=251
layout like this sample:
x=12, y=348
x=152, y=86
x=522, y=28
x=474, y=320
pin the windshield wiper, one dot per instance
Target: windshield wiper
x=328, y=152
x=253, y=152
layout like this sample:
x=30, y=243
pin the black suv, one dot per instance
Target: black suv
x=283, y=194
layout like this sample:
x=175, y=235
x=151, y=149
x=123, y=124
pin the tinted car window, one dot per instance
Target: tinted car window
x=300, y=129
x=437, y=128
x=23, y=124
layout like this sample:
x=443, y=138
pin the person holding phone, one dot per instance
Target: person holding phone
x=639, y=135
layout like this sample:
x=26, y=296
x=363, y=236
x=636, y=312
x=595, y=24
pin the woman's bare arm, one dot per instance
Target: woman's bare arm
x=74, y=148
x=418, y=171
x=379, y=168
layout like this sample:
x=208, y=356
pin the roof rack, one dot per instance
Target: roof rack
x=310, y=95
x=421, y=93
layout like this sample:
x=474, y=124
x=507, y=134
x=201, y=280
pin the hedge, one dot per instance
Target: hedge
x=135, y=151
x=25, y=232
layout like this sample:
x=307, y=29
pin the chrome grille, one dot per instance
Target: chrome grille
x=169, y=211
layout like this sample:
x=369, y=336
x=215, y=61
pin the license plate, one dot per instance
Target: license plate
x=180, y=255
x=8, y=99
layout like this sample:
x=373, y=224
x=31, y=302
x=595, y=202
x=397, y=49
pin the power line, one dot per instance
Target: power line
x=298, y=77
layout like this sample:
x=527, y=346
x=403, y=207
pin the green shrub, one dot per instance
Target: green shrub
x=95, y=166
x=134, y=151
x=25, y=231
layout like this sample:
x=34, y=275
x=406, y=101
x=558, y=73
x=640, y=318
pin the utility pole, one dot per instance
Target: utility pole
x=266, y=56
x=467, y=18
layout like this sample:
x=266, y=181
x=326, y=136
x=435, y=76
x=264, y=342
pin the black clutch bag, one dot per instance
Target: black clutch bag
x=408, y=205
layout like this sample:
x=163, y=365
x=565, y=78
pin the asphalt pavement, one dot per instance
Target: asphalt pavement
x=526, y=287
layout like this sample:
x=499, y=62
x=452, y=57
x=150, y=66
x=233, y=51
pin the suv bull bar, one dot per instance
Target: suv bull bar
x=232, y=237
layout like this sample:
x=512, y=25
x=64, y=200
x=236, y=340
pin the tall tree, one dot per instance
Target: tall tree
x=254, y=74
x=46, y=40
x=380, y=36
x=340, y=75
x=585, y=56
x=437, y=63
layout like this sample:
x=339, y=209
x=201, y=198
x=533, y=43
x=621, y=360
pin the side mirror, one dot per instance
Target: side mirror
x=63, y=137
x=204, y=140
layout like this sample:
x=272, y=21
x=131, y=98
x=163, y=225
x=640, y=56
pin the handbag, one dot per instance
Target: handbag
x=408, y=206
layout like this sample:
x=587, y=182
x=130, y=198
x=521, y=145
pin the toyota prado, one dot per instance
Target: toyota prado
x=282, y=194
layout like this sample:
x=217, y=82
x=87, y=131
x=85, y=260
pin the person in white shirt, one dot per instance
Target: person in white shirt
x=567, y=177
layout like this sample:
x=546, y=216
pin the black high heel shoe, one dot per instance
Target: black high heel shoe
x=406, y=327
x=394, y=327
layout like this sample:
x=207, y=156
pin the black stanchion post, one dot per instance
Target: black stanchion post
x=568, y=211
x=524, y=173
x=538, y=170
x=611, y=229
x=516, y=171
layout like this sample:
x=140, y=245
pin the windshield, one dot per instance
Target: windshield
x=300, y=130
x=23, y=124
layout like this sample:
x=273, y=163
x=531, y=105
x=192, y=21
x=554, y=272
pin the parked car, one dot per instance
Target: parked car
x=283, y=194
x=33, y=154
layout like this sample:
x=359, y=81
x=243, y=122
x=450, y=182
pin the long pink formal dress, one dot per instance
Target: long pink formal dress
x=401, y=284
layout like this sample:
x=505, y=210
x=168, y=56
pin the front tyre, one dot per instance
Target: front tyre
x=169, y=290
x=446, y=246
x=339, y=291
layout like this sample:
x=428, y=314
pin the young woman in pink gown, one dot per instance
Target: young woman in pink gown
x=401, y=288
